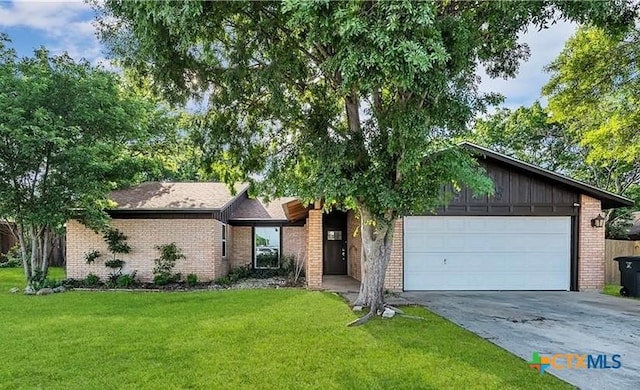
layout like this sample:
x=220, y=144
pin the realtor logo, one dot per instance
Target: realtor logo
x=574, y=361
x=540, y=363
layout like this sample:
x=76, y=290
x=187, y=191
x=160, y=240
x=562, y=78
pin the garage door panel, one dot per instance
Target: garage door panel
x=486, y=263
x=487, y=253
x=485, y=242
x=504, y=281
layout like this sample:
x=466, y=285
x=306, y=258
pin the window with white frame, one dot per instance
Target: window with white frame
x=266, y=243
x=224, y=240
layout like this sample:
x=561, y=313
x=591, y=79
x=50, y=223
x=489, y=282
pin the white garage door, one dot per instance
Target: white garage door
x=487, y=253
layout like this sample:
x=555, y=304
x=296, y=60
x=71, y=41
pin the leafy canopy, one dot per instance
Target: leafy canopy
x=348, y=101
x=69, y=133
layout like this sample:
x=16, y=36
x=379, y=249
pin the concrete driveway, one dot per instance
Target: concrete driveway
x=550, y=323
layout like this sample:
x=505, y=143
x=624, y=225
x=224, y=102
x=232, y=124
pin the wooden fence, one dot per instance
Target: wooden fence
x=613, y=249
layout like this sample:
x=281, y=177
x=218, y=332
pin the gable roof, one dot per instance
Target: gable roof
x=609, y=199
x=257, y=209
x=161, y=196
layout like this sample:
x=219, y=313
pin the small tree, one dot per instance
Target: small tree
x=69, y=134
x=117, y=244
x=169, y=255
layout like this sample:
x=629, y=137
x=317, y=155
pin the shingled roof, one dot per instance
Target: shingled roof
x=160, y=196
x=257, y=209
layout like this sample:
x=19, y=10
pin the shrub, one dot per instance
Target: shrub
x=126, y=280
x=45, y=283
x=92, y=280
x=90, y=257
x=192, y=280
x=169, y=255
x=114, y=264
x=74, y=283
x=116, y=241
x=12, y=258
x=164, y=279
x=240, y=273
x=223, y=281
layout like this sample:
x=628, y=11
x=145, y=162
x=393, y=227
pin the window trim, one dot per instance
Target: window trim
x=224, y=240
x=253, y=246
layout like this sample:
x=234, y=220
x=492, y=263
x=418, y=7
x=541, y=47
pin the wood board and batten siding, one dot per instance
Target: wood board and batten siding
x=617, y=248
x=516, y=194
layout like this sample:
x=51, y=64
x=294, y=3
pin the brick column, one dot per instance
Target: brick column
x=590, y=246
x=393, y=277
x=314, y=249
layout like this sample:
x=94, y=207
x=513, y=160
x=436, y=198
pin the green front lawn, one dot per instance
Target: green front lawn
x=280, y=338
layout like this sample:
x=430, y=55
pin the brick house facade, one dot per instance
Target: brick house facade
x=195, y=215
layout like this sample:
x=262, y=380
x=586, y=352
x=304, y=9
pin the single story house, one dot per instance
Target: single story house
x=539, y=231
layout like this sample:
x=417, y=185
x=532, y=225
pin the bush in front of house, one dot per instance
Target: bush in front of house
x=192, y=280
x=163, y=271
x=11, y=259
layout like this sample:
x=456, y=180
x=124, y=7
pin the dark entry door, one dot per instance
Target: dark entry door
x=335, y=243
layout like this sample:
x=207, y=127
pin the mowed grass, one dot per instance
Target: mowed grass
x=281, y=338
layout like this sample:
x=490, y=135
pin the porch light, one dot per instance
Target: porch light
x=598, y=221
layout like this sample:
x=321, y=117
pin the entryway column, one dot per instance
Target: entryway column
x=314, y=249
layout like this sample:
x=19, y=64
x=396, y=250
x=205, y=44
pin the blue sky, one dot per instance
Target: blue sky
x=68, y=26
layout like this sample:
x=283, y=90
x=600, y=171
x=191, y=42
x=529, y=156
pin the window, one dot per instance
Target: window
x=224, y=240
x=266, y=242
x=334, y=235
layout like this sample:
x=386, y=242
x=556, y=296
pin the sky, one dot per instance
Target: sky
x=68, y=26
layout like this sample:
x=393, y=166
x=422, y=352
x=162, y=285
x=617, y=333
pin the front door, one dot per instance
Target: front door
x=335, y=243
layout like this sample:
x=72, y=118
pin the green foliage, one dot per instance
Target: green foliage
x=593, y=90
x=169, y=255
x=589, y=130
x=353, y=102
x=92, y=280
x=114, y=263
x=286, y=71
x=254, y=338
x=126, y=280
x=223, y=281
x=70, y=133
x=41, y=283
x=166, y=278
x=92, y=256
x=530, y=134
x=116, y=241
x=192, y=280
x=12, y=258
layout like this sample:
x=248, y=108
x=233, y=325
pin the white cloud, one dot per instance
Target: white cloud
x=66, y=25
x=53, y=17
x=545, y=46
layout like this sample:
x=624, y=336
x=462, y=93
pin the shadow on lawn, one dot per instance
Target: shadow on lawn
x=458, y=350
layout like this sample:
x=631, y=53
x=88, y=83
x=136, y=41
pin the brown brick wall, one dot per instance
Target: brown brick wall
x=199, y=240
x=294, y=242
x=590, y=246
x=241, y=243
x=393, y=278
x=314, y=249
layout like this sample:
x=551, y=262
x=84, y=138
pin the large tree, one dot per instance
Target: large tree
x=531, y=134
x=353, y=102
x=593, y=92
x=69, y=134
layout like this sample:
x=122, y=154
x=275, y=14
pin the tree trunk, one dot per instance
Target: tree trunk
x=377, y=238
